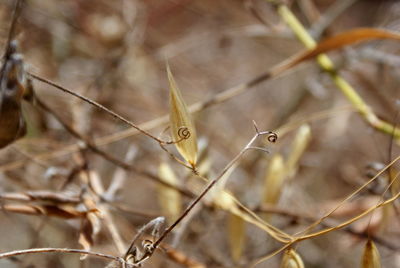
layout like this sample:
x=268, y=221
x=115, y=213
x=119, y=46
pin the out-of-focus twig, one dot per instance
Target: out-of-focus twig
x=303, y=216
x=106, y=155
x=327, y=65
x=57, y=250
x=326, y=19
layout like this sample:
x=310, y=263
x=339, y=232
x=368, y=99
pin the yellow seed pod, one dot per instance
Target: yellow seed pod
x=274, y=180
x=237, y=235
x=371, y=257
x=299, y=146
x=170, y=200
x=291, y=260
x=182, y=127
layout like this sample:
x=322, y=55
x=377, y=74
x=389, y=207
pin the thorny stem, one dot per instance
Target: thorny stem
x=210, y=185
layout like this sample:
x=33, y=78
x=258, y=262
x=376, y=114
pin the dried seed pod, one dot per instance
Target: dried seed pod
x=371, y=257
x=299, y=146
x=169, y=199
x=237, y=235
x=291, y=260
x=182, y=127
x=274, y=180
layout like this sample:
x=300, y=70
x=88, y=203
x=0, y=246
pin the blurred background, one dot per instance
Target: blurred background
x=115, y=53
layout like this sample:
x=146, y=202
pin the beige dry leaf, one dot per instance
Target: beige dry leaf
x=291, y=260
x=170, y=199
x=370, y=258
x=181, y=123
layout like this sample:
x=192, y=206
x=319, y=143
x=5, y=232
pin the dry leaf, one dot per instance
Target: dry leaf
x=291, y=260
x=336, y=42
x=182, y=126
x=170, y=199
x=370, y=258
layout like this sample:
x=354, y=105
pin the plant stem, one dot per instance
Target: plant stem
x=327, y=65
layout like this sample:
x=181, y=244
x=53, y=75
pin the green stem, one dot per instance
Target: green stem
x=327, y=65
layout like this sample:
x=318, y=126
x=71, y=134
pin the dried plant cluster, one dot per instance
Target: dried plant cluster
x=188, y=133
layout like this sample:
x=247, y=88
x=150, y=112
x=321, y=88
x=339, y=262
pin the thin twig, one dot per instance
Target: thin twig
x=327, y=65
x=326, y=19
x=98, y=105
x=297, y=215
x=11, y=32
x=107, y=156
x=58, y=250
x=209, y=187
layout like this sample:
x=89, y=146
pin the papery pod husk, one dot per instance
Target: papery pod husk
x=291, y=259
x=371, y=257
x=181, y=121
x=299, y=146
x=204, y=162
x=170, y=200
x=274, y=179
x=237, y=235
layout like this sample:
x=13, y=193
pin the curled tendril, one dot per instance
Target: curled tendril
x=272, y=137
x=183, y=133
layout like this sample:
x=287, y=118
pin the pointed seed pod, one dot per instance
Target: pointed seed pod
x=182, y=127
x=300, y=143
x=170, y=200
x=237, y=235
x=291, y=260
x=371, y=257
x=274, y=180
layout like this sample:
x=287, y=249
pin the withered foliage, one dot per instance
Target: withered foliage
x=252, y=133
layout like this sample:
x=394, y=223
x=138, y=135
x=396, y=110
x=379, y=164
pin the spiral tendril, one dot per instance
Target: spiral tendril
x=272, y=137
x=183, y=133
